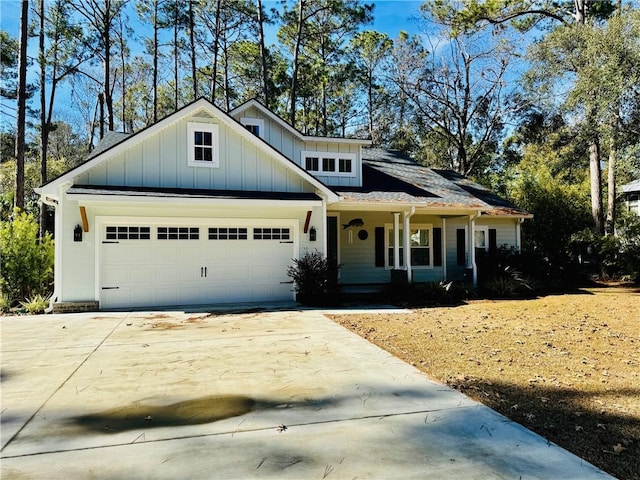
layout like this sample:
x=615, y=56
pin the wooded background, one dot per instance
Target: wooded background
x=537, y=99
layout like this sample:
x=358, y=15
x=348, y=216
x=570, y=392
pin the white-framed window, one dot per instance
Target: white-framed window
x=254, y=125
x=330, y=163
x=312, y=164
x=633, y=203
x=481, y=238
x=421, y=239
x=202, y=143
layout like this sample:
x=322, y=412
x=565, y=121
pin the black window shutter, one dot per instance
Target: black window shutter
x=460, y=246
x=379, y=246
x=437, y=247
x=493, y=240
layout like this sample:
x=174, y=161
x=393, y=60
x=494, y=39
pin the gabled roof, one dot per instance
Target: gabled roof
x=389, y=176
x=116, y=142
x=284, y=124
x=631, y=187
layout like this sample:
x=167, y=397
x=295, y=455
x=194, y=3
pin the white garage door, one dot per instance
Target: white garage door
x=164, y=264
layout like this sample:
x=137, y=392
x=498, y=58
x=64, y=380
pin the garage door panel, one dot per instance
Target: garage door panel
x=164, y=272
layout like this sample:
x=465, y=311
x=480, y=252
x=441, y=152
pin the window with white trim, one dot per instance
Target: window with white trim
x=481, y=238
x=254, y=125
x=330, y=163
x=421, y=239
x=202, y=143
x=633, y=203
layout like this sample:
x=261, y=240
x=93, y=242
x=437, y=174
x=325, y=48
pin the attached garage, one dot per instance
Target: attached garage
x=170, y=261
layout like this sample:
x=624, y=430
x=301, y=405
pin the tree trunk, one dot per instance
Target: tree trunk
x=296, y=58
x=22, y=105
x=596, y=187
x=155, y=61
x=216, y=46
x=108, y=98
x=192, y=48
x=263, y=56
x=611, y=181
x=44, y=131
x=176, y=77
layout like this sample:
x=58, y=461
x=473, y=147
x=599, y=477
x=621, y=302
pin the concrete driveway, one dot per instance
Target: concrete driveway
x=275, y=394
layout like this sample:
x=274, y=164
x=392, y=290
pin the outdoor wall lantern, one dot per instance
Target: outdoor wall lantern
x=77, y=234
x=312, y=234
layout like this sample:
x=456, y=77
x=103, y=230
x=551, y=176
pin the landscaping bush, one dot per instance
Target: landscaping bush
x=27, y=261
x=35, y=304
x=429, y=294
x=315, y=279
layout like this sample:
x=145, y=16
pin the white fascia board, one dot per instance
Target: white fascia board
x=300, y=136
x=95, y=199
x=399, y=207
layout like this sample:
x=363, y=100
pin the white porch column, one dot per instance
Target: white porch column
x=444, y=249
x=407, y=243
x=396, y=240
x=519, y=234
x=472, y=249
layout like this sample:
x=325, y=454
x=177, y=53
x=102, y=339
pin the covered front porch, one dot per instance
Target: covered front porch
x=369, y=244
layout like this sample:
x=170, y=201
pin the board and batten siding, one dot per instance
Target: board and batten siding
x=161, y=161
x=292, y=147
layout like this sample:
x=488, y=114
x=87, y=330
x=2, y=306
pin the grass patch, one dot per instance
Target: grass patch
x=565, y=366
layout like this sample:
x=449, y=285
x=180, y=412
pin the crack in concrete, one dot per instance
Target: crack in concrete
x=248, y=430
x=13, y=437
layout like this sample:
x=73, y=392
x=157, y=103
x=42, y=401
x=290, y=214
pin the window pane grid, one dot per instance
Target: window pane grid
x=271, y=233
x=178, y=233
x=128, y=233
x=227, y=233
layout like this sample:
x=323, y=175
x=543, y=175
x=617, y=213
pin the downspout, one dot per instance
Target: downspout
x=56, y=245
x=407, y=243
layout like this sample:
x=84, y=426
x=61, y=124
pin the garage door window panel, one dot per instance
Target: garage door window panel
x=228, y=233
x=271, y=233
x=127, y=233
x=178, y=233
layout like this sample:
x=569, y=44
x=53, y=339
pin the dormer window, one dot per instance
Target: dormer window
x=330, y=163
x=254, y=125
x=202, y=145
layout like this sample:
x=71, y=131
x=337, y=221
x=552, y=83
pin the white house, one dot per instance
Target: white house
x=206, y=207
x=631, y=196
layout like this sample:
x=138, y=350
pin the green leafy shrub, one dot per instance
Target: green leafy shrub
x=27, y=261
x=315, y=279
x=35, y=304
x=429, y=294
x=5, y=305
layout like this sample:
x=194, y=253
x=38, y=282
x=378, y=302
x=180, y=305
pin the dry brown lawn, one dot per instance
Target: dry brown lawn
x=565, y=366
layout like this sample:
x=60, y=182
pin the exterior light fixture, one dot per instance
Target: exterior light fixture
x=312, y=234
x=77, y=233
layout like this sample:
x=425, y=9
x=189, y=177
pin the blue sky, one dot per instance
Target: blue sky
x=391, y=16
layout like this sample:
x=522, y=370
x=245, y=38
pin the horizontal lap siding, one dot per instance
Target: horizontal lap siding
x=358, y=259
x=505, y=230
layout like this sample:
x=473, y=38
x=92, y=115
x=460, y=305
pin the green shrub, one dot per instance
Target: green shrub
x=27, y=261
x=5, y=305
x=429, y=294
x=315, y=279
x=35, y=304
